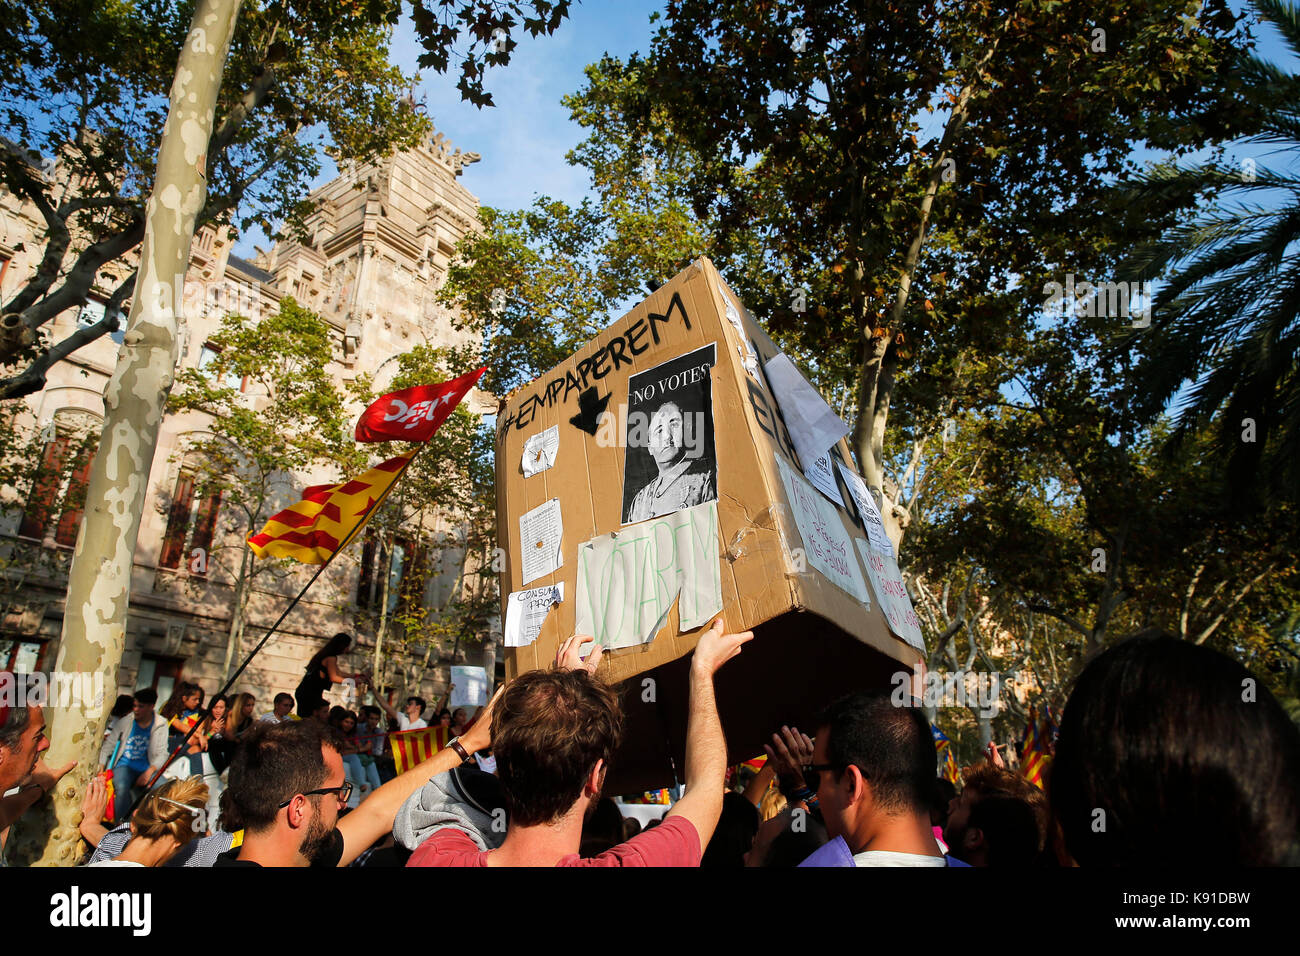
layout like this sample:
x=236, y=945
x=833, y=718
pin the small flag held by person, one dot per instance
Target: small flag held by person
x=943, y=745
x=1033, y=750
x=328, y=516
x=411, y=747
x=414, y=414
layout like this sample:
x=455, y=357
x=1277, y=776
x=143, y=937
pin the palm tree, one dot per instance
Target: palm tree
x=1225, y=332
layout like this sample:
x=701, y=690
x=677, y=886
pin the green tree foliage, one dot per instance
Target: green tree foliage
x=289, y=418
x=886, y=185
x=85, y=86
x=1226, y=323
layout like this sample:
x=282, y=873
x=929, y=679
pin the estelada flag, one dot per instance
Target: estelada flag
x=328, y=516
x=411, y=747
x=414, y=414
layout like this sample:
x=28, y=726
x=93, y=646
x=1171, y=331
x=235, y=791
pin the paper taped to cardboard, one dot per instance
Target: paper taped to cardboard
x=540, y=534
x=827, y=545
x=814, y=426
x=628, y=580
x=526, y=612
x=540, y=451
x=887, y=582
x=867, y=508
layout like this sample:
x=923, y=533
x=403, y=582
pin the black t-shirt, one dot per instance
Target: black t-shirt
x=328, y=857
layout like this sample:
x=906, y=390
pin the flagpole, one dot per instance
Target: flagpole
x=280, y=620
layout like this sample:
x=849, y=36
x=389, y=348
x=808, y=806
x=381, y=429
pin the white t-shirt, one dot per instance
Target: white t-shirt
x=115, y=863
x=892, y=858
x=406, y=723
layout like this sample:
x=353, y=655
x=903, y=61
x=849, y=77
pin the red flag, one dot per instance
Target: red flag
x=414, y=414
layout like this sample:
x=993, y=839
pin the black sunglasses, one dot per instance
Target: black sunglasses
x=344, y=793
x=812, y=774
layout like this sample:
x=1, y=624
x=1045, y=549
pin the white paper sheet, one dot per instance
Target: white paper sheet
x=867, y=508
x=627, y=581
x=827, y=545
x=823, y=479
x=540, y=533
x=813, y=425
x=471, y=687
x=526, y=610
x=744, y=349
x=887, y=582
x=540, y=451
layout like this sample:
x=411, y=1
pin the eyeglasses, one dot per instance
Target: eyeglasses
x=812, y=774
x=343, y=792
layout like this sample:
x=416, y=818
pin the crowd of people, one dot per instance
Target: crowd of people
x=1158, y=740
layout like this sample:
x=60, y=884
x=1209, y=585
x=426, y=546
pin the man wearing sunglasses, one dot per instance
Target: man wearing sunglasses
x=873, y=768
x=287, y=786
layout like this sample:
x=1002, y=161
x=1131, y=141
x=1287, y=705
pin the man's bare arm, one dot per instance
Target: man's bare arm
x=706, y=746
x=374, y=818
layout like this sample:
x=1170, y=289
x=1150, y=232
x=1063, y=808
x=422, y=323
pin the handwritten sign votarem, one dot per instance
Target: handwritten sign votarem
x=887, y=582
x=828, y=546
x=628, y=580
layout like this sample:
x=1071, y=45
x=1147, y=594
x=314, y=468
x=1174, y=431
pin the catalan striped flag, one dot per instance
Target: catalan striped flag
x=411, y=747
x=943, y=745
x=328, y=515
x=1032, y=750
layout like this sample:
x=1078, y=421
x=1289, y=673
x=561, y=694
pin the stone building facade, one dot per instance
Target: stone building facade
x=379, y=243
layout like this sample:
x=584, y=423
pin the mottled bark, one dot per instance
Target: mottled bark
x=99, y=584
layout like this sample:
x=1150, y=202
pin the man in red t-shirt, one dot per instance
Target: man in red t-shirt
x=553, y=733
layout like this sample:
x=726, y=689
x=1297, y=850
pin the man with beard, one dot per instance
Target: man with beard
x=287, y=786
x=554, y=732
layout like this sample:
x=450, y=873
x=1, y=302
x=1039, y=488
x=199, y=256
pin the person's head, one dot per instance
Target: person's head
x=414, y=707
x=335, y=716
x=734, y=835
x=274, y=776
x=122, y=707
x=444, y=718
x=944, y=793
x=171, y=816
x=320, y=712
x=372, y=714
x=243, y=708
x=336, y=645
x=666, y=443
x=348, y=724
x=553, y=733
x=458, y=717
x=880, y=762
x=998, y=819
x=186, y=696
x=146, y=699
x=218, y=705
x=1171, y=754
x=282, y=704
x=22, y=741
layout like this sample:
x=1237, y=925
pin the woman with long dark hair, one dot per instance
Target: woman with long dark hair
x=322, y=674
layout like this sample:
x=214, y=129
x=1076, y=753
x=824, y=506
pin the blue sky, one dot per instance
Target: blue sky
x=524, y=138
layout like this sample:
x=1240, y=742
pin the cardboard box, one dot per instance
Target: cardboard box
x=814, y=640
